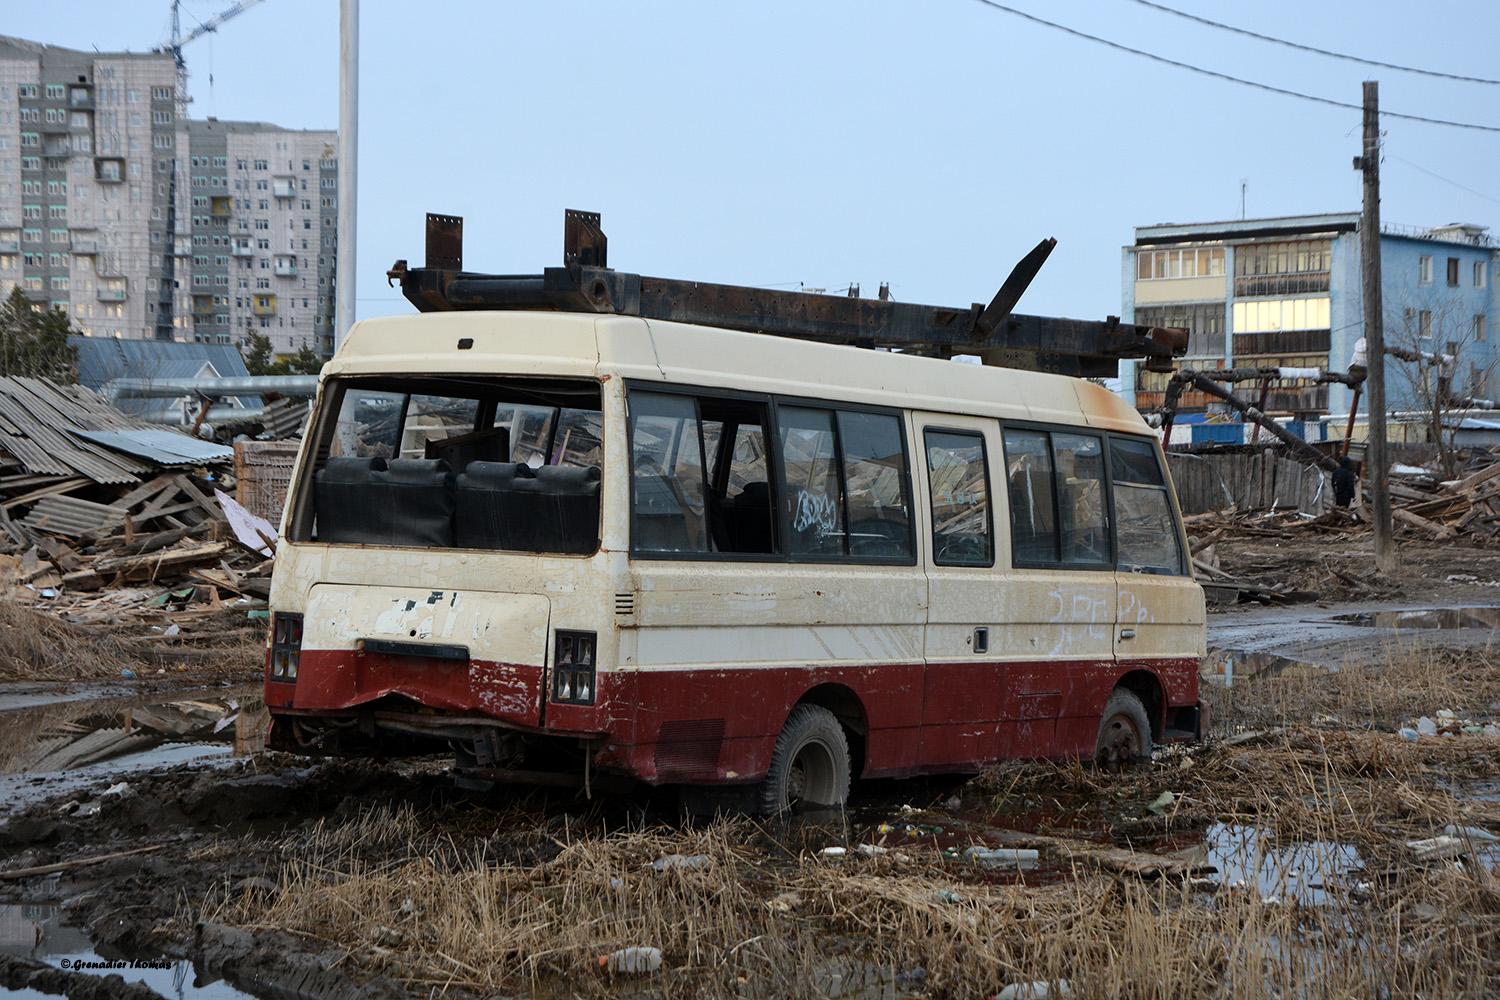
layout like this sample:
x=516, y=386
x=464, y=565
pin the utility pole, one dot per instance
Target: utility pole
x=343, y=316
x=1377, y=465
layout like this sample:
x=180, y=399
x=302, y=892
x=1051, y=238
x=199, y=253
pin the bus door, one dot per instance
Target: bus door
x=1160, y=609
x=1059, y=605
x=965, y=692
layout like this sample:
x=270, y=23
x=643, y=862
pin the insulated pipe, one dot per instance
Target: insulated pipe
x=247, y=385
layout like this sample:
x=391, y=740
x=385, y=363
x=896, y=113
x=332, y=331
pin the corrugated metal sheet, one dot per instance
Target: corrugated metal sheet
x=60, y=515
x=161, y=446
x=31, y=407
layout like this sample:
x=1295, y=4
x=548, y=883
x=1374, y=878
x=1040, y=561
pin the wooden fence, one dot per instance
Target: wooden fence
x=1247, y=482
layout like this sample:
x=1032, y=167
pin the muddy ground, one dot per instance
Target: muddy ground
x=1275, y=857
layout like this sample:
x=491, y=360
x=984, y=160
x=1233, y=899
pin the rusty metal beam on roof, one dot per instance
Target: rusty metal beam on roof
x=1084, y=348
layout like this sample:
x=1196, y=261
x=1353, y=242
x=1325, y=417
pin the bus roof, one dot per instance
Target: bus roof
x=582, y=345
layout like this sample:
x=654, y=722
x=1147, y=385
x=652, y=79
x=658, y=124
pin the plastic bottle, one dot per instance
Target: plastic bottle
x=635, y=961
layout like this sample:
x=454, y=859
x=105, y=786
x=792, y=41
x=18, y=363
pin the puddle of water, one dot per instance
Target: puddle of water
x=148, y=731
x=1301, y=872
x=1225, y=666
x=1426, y=618
x=33, y=930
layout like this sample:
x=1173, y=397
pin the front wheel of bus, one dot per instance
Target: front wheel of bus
x=1124, y=731
x=810, y=764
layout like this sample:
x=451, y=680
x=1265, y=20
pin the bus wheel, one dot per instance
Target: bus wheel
x=1124, y=732
x=810, y=765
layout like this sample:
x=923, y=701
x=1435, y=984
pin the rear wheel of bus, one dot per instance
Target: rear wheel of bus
x=810, y=764
x=1124, y=731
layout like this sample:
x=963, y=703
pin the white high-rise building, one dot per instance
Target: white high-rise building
x=142, y=225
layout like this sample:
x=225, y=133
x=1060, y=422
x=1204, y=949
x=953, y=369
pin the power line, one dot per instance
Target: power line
x=1231, y=79
x=1445, y=180
x=1310, y=48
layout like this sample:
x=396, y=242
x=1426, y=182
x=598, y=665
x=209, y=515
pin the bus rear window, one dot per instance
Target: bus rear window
x=469, y=463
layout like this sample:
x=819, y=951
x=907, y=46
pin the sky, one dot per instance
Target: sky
x=929, y=145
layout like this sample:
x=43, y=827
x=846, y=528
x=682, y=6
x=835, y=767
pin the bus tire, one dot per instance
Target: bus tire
x=810, y=764
x=1124, y=731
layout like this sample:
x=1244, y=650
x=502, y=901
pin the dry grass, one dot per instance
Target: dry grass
x=441, y=918
x=36, y=646
x=1405, y=682
x=447, y=905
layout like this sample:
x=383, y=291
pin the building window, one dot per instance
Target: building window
x=1453, y=271
x=1480, y=333
x=1424, y=269
x=1424, y=324
x=1479, y=274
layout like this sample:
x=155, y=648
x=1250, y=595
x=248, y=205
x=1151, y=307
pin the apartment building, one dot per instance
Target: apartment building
x=142, y=225
x=1287, y=292
x=261, y=205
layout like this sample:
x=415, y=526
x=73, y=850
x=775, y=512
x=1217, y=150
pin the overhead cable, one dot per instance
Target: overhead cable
x=1314, y=49
x=1232, y=79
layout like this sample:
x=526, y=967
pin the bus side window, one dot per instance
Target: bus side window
x=667, y=482
x=1028, y=473
x=814, y=492
x=1079, y=460
x=875, y=478
x=1143, y=511
x=959, y=479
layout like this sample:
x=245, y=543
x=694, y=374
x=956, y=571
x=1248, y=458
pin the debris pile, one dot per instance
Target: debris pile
x=117, y=523
x=1300, y=561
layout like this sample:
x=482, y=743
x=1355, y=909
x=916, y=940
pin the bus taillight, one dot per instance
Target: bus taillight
x=286, y=646
x=573, y=668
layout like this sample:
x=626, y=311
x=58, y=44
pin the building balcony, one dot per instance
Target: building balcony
x=84, y=245
x=203, y=305
x=244, y=251
x=109, y=169
x=10, y=242
x=284, y=187
x=264, y=305
x=81, y=95
x=285, y=266
x=222, y=205
x=111, y=293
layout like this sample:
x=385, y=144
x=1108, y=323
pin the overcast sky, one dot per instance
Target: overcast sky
x=928, y=144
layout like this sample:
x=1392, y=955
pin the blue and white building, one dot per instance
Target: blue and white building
x=1287, y=292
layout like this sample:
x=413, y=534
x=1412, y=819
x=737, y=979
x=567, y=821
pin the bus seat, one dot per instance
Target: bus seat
x=569, y=520
x=749, y=519
x=366, y=501
x=480, y=518
x=492, y=445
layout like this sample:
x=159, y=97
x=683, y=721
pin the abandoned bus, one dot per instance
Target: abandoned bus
x=571, y=545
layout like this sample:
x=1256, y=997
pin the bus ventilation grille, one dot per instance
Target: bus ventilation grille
x=689, y=747
x=624, y=604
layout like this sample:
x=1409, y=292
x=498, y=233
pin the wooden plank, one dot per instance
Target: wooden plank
x=1407, y=517
x=65, y=486
x=1482, y=476
x=143, y=491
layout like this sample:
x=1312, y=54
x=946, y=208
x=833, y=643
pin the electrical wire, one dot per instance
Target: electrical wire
x=1231, y=79
x=1310, y=48
x=1445, y=180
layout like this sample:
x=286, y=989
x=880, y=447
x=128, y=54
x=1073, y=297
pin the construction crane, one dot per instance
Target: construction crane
x=179, y=40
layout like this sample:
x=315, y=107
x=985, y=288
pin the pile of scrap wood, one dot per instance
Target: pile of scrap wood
x=1464, y=511
x=97, y=506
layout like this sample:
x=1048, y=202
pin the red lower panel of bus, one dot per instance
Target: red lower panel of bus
x=720, y=725
x=340, y=679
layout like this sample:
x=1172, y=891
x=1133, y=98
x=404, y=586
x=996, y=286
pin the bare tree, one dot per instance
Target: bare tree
x=1444, y=367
